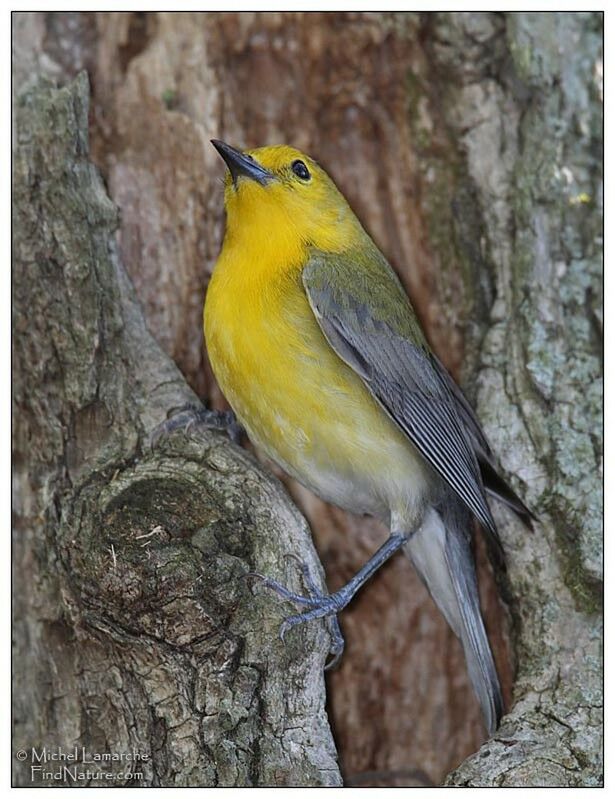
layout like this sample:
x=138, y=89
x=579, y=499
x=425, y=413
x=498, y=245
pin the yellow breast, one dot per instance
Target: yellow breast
x=296, y=398
x=272, y=361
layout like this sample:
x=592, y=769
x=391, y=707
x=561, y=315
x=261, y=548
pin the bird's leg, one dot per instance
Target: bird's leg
x=329, y=605
x=189, y=416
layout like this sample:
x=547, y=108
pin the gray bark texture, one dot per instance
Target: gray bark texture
x=479, y=158
x=539, y=127
x=133, y=626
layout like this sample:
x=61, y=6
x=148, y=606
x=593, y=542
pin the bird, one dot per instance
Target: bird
x=319, y=352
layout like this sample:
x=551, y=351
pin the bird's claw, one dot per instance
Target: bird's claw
x=190, y=416
x=306, y=576
x=318, y=606
x=281, y=590
x=336, y=648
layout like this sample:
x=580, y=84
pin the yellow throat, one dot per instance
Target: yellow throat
x=297, y=399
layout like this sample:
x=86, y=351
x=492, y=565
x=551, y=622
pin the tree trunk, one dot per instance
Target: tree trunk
x=134, y=630
x=470, y=146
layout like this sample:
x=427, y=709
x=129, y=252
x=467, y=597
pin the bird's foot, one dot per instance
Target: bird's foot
x=188, y=417
x=318, y=604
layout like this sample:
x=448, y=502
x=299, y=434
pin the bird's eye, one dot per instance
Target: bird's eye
x=300, y=170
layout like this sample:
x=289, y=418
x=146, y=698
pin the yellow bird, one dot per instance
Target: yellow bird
x=319, y=352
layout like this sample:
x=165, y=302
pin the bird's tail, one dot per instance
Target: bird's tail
x=441, y=553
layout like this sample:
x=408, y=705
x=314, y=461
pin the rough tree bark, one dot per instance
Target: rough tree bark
x=470, y=144
x=538, y=128
x=133, y=627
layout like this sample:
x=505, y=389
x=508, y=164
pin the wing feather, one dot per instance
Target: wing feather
x=395, y=363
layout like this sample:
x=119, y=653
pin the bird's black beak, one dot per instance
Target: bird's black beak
x=241, y=165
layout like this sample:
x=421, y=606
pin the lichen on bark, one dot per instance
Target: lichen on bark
x=541, y=357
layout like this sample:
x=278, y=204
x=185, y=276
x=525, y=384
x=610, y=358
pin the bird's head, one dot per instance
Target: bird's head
x=282, y=196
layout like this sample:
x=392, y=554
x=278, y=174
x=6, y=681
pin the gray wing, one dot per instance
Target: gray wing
x=494, y=484
x=397, y=367
x=466, y=413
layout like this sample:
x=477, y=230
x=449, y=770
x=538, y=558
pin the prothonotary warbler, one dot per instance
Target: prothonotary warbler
x=319, y=352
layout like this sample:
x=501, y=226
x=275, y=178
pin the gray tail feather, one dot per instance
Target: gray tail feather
x=441, y=553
